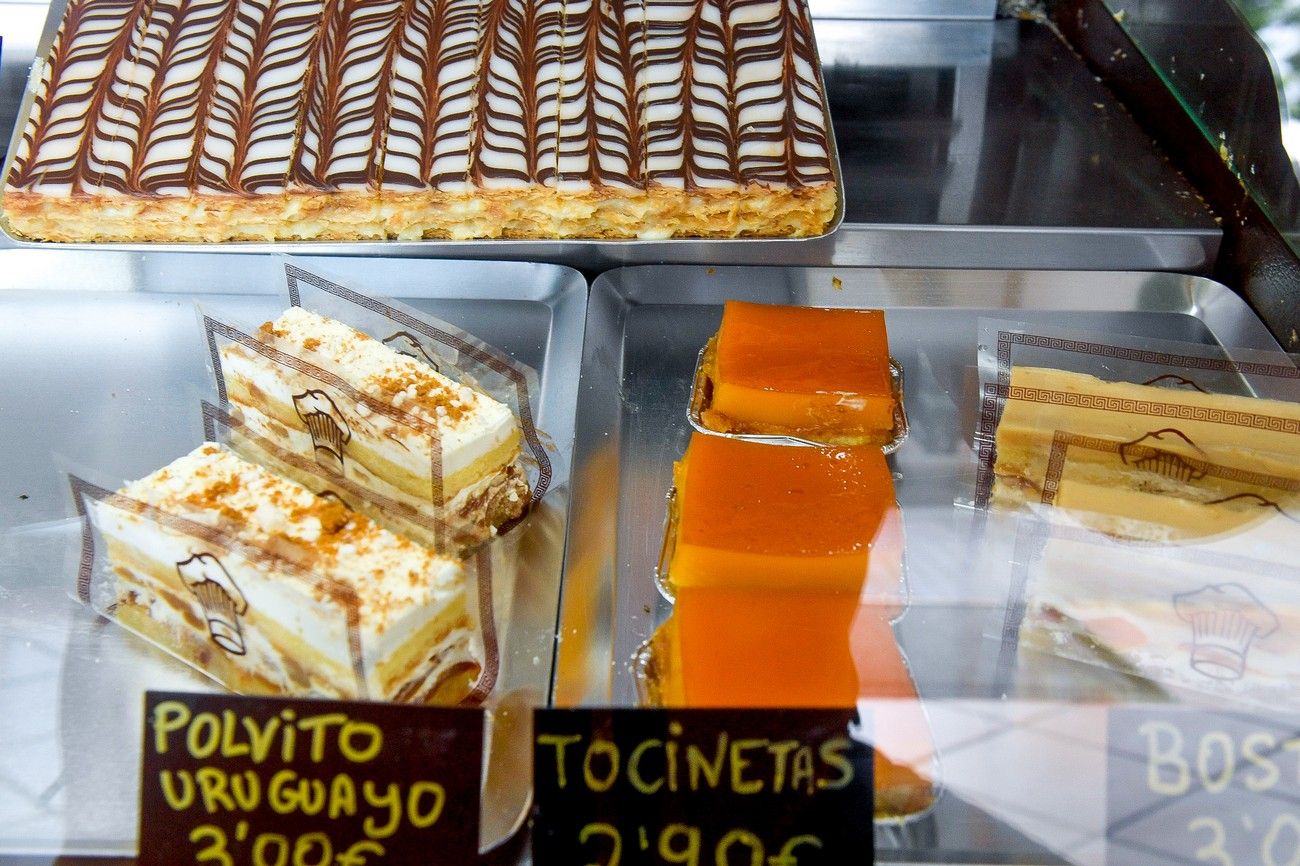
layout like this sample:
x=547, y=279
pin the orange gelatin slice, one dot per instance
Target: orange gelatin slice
x=802, y=371
x=742, y=648
x=785, y=518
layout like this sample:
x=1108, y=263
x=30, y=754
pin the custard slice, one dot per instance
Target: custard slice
x=822, y=375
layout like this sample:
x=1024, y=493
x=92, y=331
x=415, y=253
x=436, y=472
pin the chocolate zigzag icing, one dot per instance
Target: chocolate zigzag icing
x=73, y=116
x=671, y=27
x=155, y=143
x=710, y=131
x=252, y=97
x=432, y=96
x=347, y=107
x=256, y=97
x=782, y=110
x=516, y=113
x=600, y=126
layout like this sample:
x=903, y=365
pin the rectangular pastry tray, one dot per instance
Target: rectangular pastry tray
x=102, y=367
x=586, y=253
x=645, y=326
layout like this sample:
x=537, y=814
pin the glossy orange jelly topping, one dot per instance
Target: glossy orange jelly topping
x=786, y=517
x=802, y=370
x=741, y=648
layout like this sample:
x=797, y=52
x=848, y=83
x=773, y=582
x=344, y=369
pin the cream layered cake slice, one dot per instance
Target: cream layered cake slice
x=271, y=589
x=385, y=421
x=1076, y=441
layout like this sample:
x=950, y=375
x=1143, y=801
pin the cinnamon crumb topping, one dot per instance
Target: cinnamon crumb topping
x=381, y=571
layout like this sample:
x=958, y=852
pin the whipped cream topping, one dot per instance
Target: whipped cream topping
x=388, y=574
x=377, y=370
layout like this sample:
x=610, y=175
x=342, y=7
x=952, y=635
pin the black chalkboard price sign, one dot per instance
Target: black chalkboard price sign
x=230, y=781
x=700, y=788
x=1191, y=786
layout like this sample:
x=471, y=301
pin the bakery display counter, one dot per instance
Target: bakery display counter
x=106, y=385
x=1041, y=730
x=1075, y=640
x=968, y=142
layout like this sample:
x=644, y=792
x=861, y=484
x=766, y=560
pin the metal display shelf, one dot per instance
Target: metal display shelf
x=964, y=143
x=1022, y=758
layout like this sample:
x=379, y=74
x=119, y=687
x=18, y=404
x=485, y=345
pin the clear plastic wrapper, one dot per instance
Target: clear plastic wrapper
x=1147, y=499
x=1180, y=382
x=407, y=408
x=448, y=460
x=449, y=350
x=293, y=609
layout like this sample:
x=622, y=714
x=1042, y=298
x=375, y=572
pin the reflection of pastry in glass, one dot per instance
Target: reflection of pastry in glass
x=222, y=601
x=785, y=564
x=1225, y=618
x=317, y=599
x=420, y=438
x=822, y=375
x=745, y=648
x=786, y=517
x=1215, y=615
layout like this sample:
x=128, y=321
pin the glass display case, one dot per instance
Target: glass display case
x=1079, y=220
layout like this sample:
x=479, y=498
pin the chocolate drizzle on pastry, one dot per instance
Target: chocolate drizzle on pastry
x=432, y=96
x=72, y=115
x=159, y=99
x=340, y=146
x=257, y=95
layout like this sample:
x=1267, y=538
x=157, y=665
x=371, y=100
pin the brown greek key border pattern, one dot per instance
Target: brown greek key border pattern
x=295, y=275
x=1206, y=414
x=1124, y=353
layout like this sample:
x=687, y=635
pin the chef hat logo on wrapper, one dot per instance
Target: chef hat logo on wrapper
x=223, y=603
x=1166, y=452
x=406, y=343
x=331, y=496
x=330, y=431
x=1225, y=619
x=1174, y=382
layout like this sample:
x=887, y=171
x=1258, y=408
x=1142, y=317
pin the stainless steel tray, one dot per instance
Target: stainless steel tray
x=585, y=251
x=111, y=380
x=645, y=326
